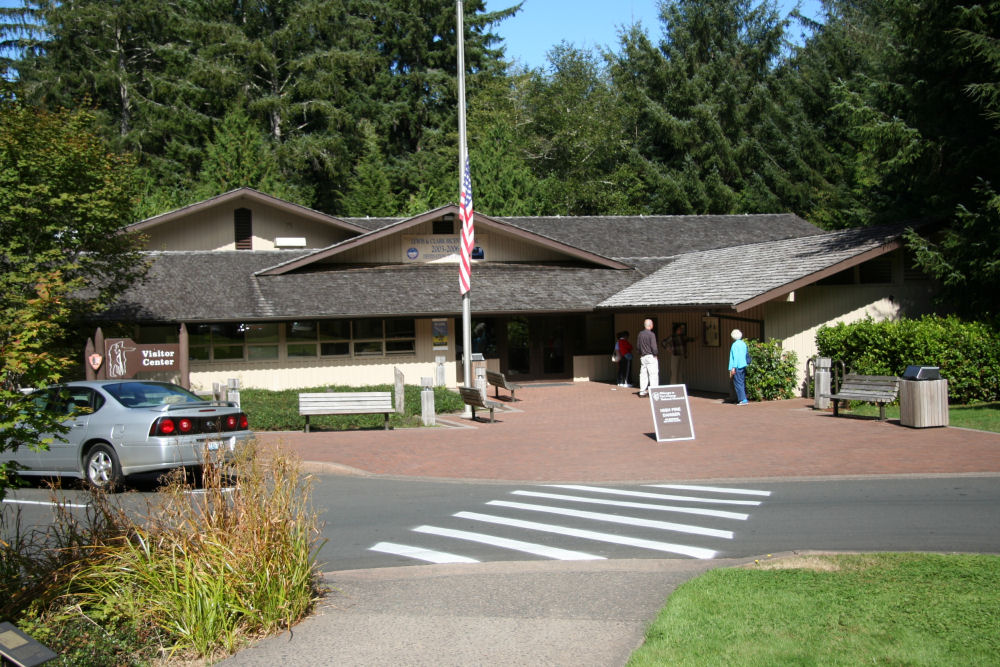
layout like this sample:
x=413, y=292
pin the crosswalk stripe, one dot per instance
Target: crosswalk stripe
x=614, y=518
x=685, y=550
x=516, y=545
x=420, y=554
x=711, y=489
x=722, y=514
x=660, y=496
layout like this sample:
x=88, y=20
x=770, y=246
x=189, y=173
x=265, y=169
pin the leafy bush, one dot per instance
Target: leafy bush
x=968, y=353
x=279, y=410
x=771, y=375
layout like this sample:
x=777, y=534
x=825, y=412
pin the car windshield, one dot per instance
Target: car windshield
x=150, y=394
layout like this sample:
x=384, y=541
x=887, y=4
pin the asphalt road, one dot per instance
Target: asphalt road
x=378, y=522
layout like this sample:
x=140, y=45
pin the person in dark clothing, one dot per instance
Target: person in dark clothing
x=624, y=359
x=649, y=362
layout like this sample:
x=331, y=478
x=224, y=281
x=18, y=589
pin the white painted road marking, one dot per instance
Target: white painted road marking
x=711, y=489
x=695, y=552
x=516, y=545
x=722, y=514
x=659, y=496
x=420, y=554
x=614, y=518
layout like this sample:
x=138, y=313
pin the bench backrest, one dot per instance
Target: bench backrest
x=473, y=396
x=496, y=379
x=332, y=403
x=877, y=384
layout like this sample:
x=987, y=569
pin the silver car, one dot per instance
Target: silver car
x=122, y=427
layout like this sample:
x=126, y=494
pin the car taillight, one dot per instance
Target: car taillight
x=185, y=425
x=163, y=426
x=244, y=422
x=231, y=423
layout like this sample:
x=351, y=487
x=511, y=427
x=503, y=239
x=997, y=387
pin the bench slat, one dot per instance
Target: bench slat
x=878, y=389
x=346, y=403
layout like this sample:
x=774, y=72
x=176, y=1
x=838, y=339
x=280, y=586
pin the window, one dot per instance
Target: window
x=444, y=226
x=243, y=228
x=304, y=339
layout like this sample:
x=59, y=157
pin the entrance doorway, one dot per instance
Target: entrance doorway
x=537, y=348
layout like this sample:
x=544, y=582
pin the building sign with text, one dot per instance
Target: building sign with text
x=437, y=248
x=671, y=412
x=125, y=358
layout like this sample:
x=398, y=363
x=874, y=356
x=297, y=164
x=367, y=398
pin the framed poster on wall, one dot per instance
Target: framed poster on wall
x=710, y=331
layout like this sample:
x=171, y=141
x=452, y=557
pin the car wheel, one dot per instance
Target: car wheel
x=102, y=468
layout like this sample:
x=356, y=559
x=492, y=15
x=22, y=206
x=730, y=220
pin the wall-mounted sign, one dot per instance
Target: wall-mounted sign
x=671, y=412
x=125, y=358
x=439, y=334
x=438, y=248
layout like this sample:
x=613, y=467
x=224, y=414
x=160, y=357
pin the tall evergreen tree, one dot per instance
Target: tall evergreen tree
x=711, y=133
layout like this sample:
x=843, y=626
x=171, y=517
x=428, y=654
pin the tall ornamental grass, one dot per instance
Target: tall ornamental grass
x=205, y=569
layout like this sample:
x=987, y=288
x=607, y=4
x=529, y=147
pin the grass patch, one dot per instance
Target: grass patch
x=279, y=410
x=885, y=609
x=195, y=577
x=981, y=416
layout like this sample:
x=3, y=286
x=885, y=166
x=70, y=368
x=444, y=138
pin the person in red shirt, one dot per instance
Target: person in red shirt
x=624, y=359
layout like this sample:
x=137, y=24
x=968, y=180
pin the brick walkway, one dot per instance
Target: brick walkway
x=594, y=432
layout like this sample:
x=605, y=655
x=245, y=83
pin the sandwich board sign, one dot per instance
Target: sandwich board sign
x=671, y=412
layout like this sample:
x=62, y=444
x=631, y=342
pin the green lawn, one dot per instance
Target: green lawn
x=982, y=416
x=874, y=609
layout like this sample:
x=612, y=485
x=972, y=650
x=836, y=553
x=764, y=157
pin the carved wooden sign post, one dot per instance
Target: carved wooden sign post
x=123, y=358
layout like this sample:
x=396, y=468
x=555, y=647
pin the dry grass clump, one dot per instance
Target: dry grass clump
x=204, y=570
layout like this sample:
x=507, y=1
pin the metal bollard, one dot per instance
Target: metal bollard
x=822, y=383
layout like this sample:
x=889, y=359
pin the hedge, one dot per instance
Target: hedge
x=968, y=353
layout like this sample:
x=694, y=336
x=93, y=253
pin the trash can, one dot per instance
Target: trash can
x=923, y=397
x=821, y=383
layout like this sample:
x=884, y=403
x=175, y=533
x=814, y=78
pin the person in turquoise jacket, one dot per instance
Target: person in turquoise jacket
x=738, y=366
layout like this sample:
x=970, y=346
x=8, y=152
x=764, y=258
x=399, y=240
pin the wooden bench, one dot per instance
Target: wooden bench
x=878, y=389
x=475, y=398
x=346, y=403
x=499, y=381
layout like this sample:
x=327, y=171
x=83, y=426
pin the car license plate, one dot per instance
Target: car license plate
x=213, y=445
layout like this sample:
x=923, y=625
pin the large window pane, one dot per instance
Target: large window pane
x=399, y=346
x=262, y=352
x=335, y=329
x=227, y=352
x=228, y=333
x=367, y=328
x=339, y=349
x=301, y=330
x=367, y=348
x=266, y=332
x=301, y=350
x=400, y=329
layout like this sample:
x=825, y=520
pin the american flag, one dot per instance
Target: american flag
x=468, y=232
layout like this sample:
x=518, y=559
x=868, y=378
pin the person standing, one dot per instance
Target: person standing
x=649, y=363
x=624, y=359
x=738, y=366
x=676, y=346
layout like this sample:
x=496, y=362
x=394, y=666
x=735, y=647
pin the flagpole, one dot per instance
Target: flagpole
x=462, y=166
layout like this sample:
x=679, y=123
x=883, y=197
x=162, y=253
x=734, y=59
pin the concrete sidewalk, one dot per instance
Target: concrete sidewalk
x=571, y=613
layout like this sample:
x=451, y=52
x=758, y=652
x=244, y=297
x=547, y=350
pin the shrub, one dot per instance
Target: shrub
x=968, y=353
x=279, y=410
x=771, y=375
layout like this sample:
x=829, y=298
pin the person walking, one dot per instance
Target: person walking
x=738, y=366
x=649, y=362
x=624, y=359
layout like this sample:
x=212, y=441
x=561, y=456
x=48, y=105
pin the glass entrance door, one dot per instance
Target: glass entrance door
x=536, y=348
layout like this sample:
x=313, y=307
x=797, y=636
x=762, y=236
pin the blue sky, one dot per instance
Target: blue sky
x=587, y=24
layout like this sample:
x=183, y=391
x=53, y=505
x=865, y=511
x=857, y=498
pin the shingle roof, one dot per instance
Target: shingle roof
x=736, y=277
x=214, y=286
x=633, y=238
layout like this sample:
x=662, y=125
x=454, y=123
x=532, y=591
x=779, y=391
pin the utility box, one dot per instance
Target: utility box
x=923, y=397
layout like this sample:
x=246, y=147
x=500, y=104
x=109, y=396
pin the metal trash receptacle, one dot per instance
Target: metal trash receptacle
x=923, y=397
